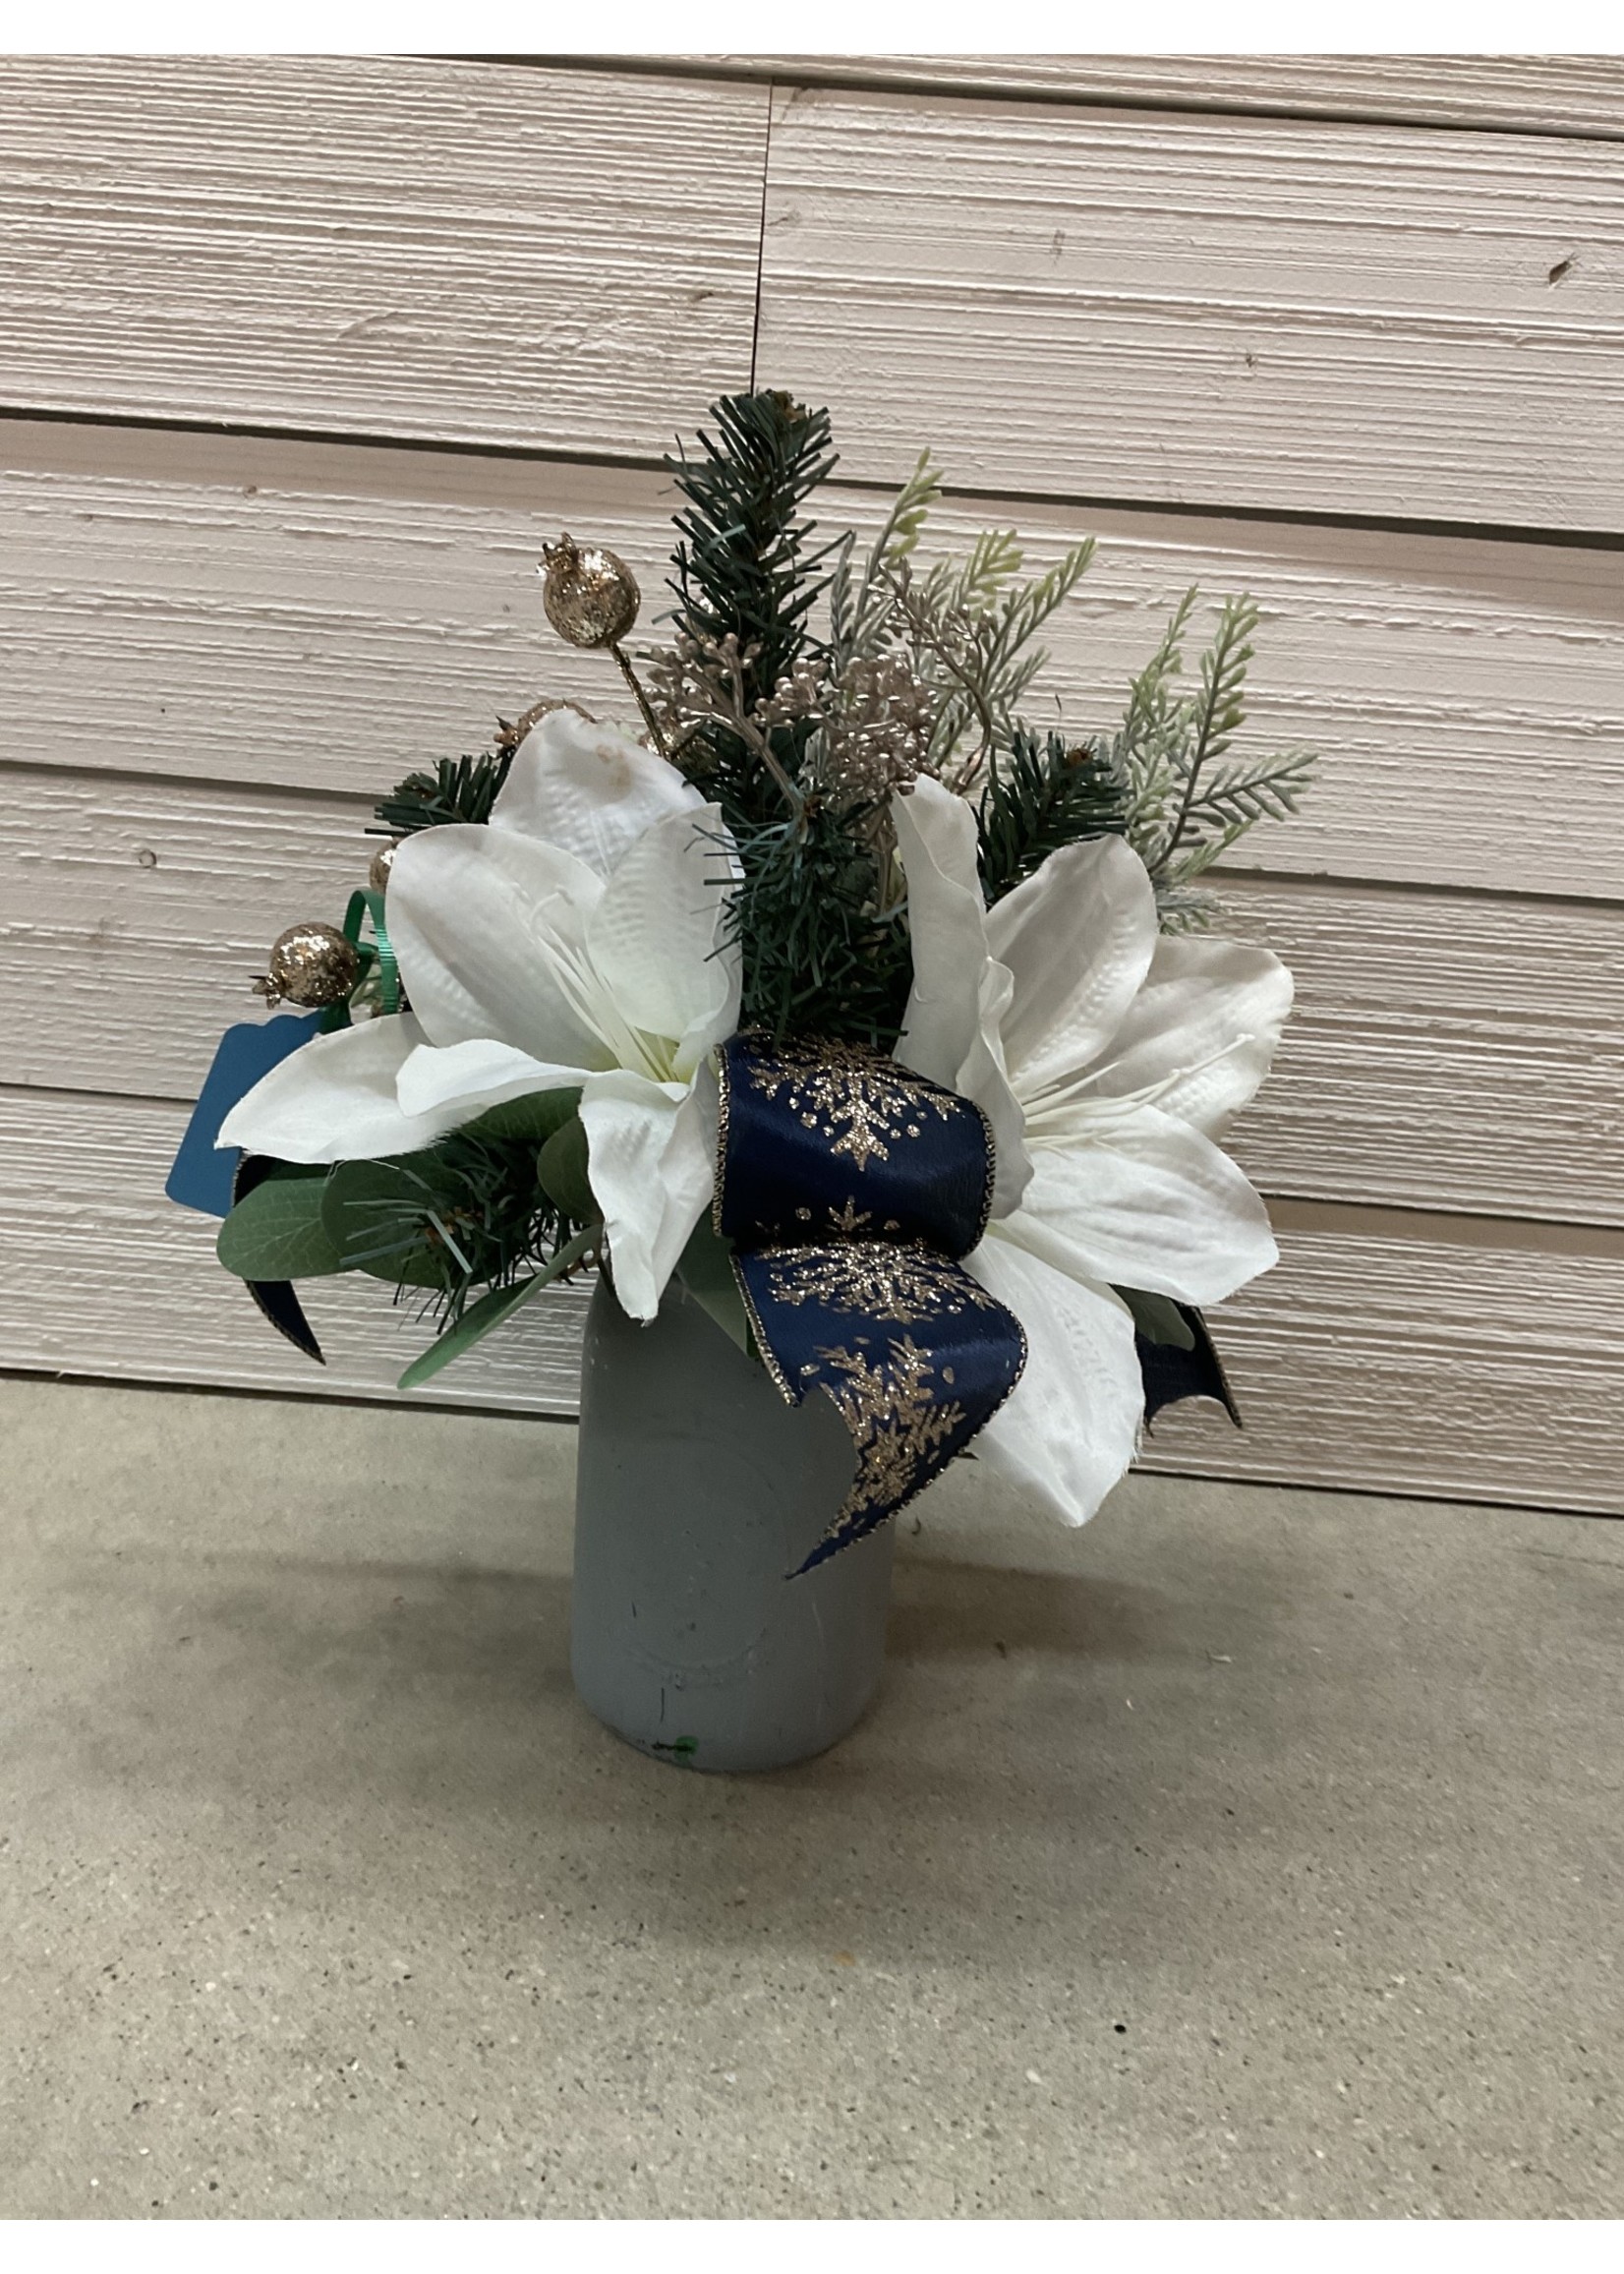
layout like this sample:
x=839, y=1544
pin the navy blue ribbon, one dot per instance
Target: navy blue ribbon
x=850, y=1188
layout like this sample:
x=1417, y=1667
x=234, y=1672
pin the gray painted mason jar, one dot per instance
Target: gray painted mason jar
x=699, y=1492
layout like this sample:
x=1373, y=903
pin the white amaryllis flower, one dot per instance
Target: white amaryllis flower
x=1107, y=1057
x=577, y=941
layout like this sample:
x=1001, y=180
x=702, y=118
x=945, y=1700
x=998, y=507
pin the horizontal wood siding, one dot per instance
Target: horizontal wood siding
x=1437, y=1057
x=326, y=618
x=1368, y=1360
x=1440, y=1056
x=1315, y=318
x=1377, y=1362
x=1367, y=372
x=99, y=1274
x=383, y=245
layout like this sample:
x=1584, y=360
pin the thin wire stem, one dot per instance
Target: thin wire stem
x=643, y=703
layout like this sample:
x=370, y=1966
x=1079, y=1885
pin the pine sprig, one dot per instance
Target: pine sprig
x=1235, y=796
x=1185, y=809
x=976, y=583
x=823, y=953
x=463, y=1216
x=459, y=790
x=743, y=563
x=1216, y=714
x=1150, y=696
x=1041, y=797
x=971, y=632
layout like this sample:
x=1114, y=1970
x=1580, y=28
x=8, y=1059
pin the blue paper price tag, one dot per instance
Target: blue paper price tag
x=203, y=1173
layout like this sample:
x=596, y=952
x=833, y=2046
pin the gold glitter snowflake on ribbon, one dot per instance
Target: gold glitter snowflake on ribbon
x=859, y=1101
x=896, y=1425
x=881, y=1279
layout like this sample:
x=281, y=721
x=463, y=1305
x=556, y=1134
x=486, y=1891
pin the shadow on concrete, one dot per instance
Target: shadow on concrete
x=392, y=1708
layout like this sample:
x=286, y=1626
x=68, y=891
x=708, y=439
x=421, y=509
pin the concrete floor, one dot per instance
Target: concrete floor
x=1250, y=1853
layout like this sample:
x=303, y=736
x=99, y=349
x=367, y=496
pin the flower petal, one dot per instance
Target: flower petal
x=1079, y=937
x=473, y=1076
x=960, y=993
x=1146, y=1201
x=651, y=1160
x=335, y=1101
x=657, y=941
x=591, y=790
x=1201, y=1030
x=947, y=925
x=1070, y=1428
x=489, y=928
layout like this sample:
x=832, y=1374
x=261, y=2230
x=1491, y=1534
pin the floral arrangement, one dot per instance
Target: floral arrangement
x=883, y=1019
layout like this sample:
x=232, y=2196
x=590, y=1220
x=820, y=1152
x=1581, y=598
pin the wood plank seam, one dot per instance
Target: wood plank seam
x=761, y=236
x=863, y=76
x=1222, y=873
x=1077, y=501
x=1293, y=1211
x=311, y=587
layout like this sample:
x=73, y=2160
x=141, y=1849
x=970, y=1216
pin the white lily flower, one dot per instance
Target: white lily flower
x=577, y=941
x=1107, y=1057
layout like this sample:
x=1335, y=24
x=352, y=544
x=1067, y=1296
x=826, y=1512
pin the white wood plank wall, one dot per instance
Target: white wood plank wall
x=300, y=359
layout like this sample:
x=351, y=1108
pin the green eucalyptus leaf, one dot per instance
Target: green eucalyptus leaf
x=276, y=1232
x=705, y=1269
x=1158, y=1317
x=490, y=1310
x=374, y=1214
x=561, y=1169
x=270, y=1171
x=536, y=1117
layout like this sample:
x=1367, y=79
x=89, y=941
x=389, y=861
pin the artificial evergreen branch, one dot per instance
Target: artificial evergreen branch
x=858, y=620
x=742, y=561
x=978, y=580
x=825, y=948
x=459, y=790
x=1149, y=696
x=1234, y=798
x=1218, y=712
x=465, y=1214
x=949, y=640
x=1041, y=797
x=971, y=635
x=1183, y=812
